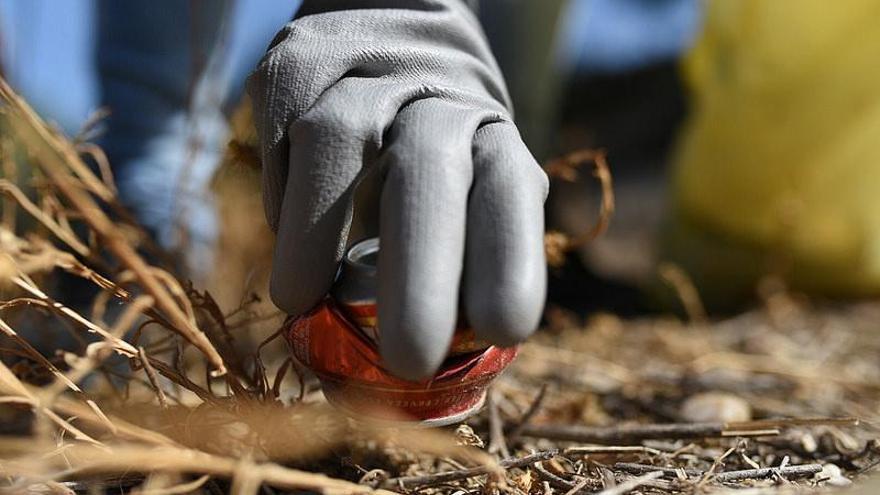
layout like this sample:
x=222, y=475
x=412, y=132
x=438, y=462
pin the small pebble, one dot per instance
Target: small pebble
x=833, y=476
x=809, y=444
x=715, y=407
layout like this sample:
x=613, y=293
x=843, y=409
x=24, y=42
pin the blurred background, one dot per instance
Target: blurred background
x=740, y=133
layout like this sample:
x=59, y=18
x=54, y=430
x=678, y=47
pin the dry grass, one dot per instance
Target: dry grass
x=201, y=396
x=567, y=168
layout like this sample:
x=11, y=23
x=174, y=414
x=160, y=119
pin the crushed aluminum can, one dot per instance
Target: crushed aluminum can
x=337, y=341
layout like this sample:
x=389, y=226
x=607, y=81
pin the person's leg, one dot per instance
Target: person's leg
x=165, y=128
x=46, y=55
x=166, y=70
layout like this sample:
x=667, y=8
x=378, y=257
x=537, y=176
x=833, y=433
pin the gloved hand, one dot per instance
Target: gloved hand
x=407, y=89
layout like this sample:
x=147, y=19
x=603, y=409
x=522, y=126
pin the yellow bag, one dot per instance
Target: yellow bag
x=778, y=167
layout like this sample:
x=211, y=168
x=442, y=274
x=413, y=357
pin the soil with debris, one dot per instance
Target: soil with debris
x=744, y=374
x=777, y=400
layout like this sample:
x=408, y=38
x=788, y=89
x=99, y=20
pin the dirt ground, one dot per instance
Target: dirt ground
x=787, y=359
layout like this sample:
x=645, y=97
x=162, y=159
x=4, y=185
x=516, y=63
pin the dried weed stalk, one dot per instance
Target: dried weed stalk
x=91, y=414
x=566, y=168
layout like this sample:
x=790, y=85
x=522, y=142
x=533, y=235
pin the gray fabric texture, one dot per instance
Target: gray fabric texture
x=408, y=90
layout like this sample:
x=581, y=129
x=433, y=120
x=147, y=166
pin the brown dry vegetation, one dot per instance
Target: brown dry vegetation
x=203, y=397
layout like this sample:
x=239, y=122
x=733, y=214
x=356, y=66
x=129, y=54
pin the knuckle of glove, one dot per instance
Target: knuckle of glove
x=540, y=178
x=434, y=48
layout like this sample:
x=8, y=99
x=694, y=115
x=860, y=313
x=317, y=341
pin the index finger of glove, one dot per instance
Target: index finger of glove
x=422, y=231
x=331, y=146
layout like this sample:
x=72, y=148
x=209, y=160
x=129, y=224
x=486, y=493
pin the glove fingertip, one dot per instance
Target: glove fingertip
x=294, y=298
x=508, y=314
x=300, y=276
x=410, y=364
x=414, y=338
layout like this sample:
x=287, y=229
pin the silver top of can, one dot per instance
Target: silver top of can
x=363, y=256
x=357, y=281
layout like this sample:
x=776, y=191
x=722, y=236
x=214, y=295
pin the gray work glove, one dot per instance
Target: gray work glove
x=407, y=89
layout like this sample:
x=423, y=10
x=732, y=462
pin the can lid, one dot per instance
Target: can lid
x=356, y=283
x=363, y=257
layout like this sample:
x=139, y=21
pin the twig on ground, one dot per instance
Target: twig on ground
x=497, y=444
x=578, y=486
x=726, y=476
x=460, y=474
x=530, y=413
x=800, y=471
x=716, y=465
x=792, y=422
x=617, y=435
x=630, y=485
x=554, y=480
x=635, y=468
x=615, y=449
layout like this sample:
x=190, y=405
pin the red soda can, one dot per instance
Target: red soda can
x=338, y=342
